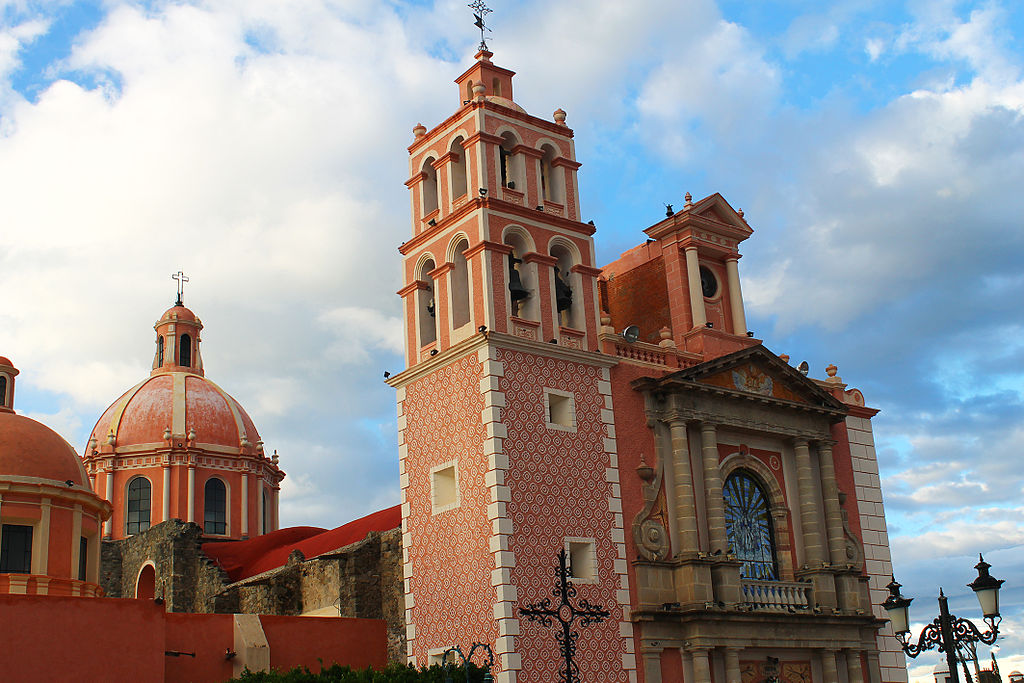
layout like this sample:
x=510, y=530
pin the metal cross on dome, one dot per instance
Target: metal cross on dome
x=182, y=279
x=480, y=12
x=566, y=614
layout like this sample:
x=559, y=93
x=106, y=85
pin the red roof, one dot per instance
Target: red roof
x=242, y=559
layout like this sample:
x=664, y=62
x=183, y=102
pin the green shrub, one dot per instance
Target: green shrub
x=394, y=673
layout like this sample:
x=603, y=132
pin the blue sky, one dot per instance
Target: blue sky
x=877, y=149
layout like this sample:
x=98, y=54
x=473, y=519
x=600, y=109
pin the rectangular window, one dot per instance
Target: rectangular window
x=444, y=487
x=83, y=558
x=16, y=549
x=560, y=410
x=581, y=554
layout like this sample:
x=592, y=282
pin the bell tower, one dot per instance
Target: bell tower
x=506, y=436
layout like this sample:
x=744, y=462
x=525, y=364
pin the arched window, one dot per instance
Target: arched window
x=460, y=286
x=566, y=291
x=748, y=525
x=145, y=585
x=522, y=279
x=496, y=87
x=215, y=506
x=426, y=305
x=508, y=163
x=428, y=187
x=140, y=497
x=159, y=350
x=3, y=390
x=185, y=351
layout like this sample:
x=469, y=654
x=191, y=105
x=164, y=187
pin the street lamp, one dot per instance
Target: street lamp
x=948, y=632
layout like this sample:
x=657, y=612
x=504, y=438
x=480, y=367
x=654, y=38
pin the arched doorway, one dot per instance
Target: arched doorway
x=145, y=585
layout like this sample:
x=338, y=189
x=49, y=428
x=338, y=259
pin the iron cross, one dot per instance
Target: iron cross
x=480, y=12
x=566, y=613
x=182, y=279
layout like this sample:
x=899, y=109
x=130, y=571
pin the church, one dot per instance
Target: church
x=715, y=511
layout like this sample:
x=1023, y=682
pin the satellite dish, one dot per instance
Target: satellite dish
x=803, y=368
x=631, y=333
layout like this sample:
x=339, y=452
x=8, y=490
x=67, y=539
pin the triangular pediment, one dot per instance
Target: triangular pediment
x=715, y=208
x=758, y=371
x=711, y=215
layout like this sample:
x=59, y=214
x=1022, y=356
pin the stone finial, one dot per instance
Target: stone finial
x=606, y=323
x=559, y=116
x=666, y=338
x=191, y=435
x=784, y=357
x=259, y=446
x=478, y=90
x=645, y=471
x=111, y=437
x=92, y=445
x=275, y=458
x=831, y=370
x=689, y=201
x=740, y=213
x=419, y=130
x=244, y=441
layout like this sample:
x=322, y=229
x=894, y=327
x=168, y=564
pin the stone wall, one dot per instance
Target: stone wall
x=363, y=579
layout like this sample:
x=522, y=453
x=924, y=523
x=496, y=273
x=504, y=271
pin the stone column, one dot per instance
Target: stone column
x=165, y=505
x=714, y=504
x=261, y=509
x=874, y=668
x=813, y=551
x=732, y=272
x=732, y=665
x=829, y=671
x=108, y=526
x=855, y=672
x=686, y=513
x=191, y=493
x=700, y=317
x=847, y=590
x=41, y=541
x=701, y=665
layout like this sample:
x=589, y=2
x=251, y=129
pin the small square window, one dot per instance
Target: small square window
x=582, y=557
x=444, y=487
x=560, y=410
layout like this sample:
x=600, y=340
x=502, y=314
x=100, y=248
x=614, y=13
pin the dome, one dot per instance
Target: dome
x=31, y=449
x=505, y=102
x=182, y=402
x=178, y=312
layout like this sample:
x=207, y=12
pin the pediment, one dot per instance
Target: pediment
x=715, y=208
x=758, y=371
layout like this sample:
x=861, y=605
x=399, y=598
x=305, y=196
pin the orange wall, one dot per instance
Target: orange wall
x=110, y=639
x=356, y=642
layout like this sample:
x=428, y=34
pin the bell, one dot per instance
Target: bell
x=515, y=285
x=430, y=307
x=563, y=294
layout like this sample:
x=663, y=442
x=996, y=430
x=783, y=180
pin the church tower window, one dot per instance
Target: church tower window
x=215, y=507
x=16, y=549
x=185, y=351
x=460, y=285
x=508, y=162
x=140, y=495
x=426, y=306
x=552, y=179
x=3, y=391
x=748, y=526
x=159, y=350
x=83, y=557
x=444, y=487
x=565, y=303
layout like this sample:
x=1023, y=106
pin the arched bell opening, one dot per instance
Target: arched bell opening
x=511, y=172
x=522, y=278
x=460, y=284
x=552, y=178
x=457, y=169
x=566, y=287
x=185, y=351
x=426, y=305
x=428, y=188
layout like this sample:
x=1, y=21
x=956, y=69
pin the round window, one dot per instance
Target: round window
x=708, y=282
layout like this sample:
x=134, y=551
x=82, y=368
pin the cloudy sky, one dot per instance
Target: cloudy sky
x=876, y=147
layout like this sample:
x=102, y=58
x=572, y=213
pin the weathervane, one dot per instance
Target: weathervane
x=480, y=12
x=182, y=279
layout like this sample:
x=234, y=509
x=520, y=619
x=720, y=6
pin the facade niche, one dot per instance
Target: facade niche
x=426, y=307
x=460, y=285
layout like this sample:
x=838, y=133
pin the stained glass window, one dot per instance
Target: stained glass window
x=748, y=524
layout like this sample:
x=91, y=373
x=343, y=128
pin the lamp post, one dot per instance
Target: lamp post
x=948, y=632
